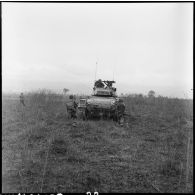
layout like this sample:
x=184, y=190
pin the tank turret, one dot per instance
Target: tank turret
x=104, y=88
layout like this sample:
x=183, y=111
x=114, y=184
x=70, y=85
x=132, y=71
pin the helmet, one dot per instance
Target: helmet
x=71, y=97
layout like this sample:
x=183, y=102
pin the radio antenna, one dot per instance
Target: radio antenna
x=114, y=67
x=96, y=70
x=113, y=74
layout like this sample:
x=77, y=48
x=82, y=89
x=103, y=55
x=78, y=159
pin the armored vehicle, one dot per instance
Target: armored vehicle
x=103, y=103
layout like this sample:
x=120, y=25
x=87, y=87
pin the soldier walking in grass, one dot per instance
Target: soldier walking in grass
x=120, y=111
x=22, y=99
x=71, y=107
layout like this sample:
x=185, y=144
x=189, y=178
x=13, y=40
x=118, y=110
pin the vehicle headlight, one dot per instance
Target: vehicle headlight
x=112, y=102
x=113, y=106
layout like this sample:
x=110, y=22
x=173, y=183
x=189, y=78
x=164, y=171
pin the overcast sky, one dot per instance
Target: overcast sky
x=143, y=46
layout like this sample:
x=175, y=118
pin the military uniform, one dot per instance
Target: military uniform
x=120, y=110
x=22, y=99
x=71, y=109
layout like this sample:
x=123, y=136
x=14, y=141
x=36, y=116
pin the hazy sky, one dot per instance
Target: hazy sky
x=144, y=46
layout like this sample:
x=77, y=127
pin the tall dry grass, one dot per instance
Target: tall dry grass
x=48, y=154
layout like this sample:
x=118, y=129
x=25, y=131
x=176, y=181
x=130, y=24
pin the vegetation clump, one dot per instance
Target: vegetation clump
x=43, y=152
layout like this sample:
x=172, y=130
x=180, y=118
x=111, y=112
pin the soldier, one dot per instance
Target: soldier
x=120, y=111
x=99, y=83
x=22, y=99
x=71, y=107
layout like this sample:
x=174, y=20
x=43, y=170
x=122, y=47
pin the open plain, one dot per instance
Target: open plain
x=43, y=151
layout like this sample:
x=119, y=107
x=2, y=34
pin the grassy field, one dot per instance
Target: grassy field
x=44, y=152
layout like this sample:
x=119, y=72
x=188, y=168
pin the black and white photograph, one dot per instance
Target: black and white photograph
x=97, y=97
